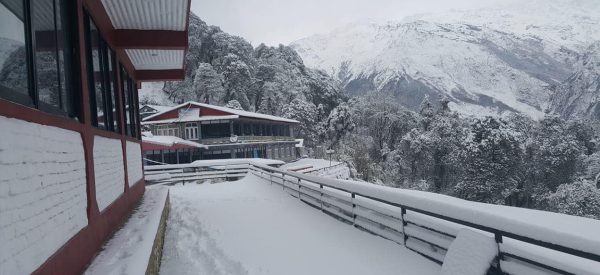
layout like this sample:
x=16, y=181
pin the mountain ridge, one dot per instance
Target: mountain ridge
x=480, y=67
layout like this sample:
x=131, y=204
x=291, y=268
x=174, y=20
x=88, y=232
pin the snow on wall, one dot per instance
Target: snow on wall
x=134, y=163
x=42, y=192
x=108, y=169
x=134, y=239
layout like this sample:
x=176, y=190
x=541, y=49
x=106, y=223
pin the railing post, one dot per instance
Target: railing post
x=402, y=213
x=498, y=238
x=353, y=206
x=321, y=197
x=299, y=186
x=270, y=178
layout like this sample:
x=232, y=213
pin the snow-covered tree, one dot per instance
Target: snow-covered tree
x=307, y=114
x=580, y=198
x=490, y=156
x=339, y=123
x=234, y=104
x=207, y=86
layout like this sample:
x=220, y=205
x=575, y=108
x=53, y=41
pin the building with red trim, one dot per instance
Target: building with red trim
x=70, y=152
x=220, y=132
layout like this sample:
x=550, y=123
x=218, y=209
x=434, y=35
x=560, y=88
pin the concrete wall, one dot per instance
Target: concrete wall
x=42, y=192
x=109, y=170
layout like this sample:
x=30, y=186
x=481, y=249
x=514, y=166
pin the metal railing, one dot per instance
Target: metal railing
x=182, y=173
x=427, y=231
x=421, y=230
x=227, y=140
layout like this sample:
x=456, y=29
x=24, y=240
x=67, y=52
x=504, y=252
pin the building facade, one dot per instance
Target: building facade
x=223, y=133
x=70, y=142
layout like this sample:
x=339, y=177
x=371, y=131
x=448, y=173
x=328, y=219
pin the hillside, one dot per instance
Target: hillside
x=490, y=61
x=222, y=67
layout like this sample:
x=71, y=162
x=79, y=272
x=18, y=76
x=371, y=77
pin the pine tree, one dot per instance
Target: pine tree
x=207, y=85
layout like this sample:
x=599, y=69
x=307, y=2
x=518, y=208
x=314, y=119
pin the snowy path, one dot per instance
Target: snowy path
x=251, y=227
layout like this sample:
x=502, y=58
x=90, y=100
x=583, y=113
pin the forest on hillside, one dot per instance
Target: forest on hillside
x=549, y=164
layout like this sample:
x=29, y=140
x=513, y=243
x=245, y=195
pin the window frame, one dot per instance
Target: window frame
x=70, y=41
x=107, y=79
x=191, y=131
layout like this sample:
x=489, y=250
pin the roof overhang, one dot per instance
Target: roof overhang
x=153, y=34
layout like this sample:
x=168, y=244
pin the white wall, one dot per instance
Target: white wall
x=134, y=163
x=42, y=192
x=108, y=169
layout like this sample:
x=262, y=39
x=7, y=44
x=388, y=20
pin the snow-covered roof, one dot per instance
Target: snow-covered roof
x=158, y=108
x=169, y=141
x=240, y=113
x=190, y=119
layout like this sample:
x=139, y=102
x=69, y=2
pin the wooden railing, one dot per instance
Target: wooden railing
x=428, y=228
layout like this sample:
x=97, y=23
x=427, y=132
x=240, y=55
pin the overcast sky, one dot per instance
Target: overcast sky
x=284, y=21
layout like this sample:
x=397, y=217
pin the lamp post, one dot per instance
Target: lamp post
x=330, y=152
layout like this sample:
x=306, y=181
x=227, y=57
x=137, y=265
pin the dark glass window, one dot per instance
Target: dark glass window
x=35, y=58
x=131, y=116
x=135, y=109
x=102, y=71
x=126, y=100
x=255, y=130
x=247, y=129
x=95, y=75
x=13, y=58
x=215, y=130
x=237, y=128
x=112, y=81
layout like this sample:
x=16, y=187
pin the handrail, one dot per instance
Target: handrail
x=388, y=211
x=314, y=170
x=591, y=250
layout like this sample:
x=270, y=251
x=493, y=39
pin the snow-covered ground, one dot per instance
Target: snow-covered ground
x=251, y=227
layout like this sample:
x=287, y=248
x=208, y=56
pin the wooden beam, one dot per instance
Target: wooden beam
x=150, y=39
x=160, y=75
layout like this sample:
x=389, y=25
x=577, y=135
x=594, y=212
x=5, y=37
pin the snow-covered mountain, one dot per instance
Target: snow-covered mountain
x=509, y=57
x=7, y=47
x=579, y=95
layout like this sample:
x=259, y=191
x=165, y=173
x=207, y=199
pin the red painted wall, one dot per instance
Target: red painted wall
x=168, y=115
x=204, y=111
x=212, y=112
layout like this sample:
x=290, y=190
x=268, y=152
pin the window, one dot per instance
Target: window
x=129, y=103
x=237, y=128
x=217, y=129
x=112, y=82
x=247, y=129
x=167, y=130
x=37, y=46
x=102, y=79
x=191, y=131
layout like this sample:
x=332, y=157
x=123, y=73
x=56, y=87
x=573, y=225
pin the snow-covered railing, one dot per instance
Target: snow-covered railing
x=339, y=170
x=182, y=173
x=529, y=241
x=229, y=169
